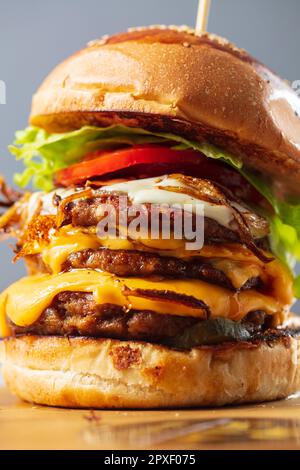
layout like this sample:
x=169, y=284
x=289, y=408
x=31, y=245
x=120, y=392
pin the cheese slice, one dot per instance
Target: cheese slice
x=239, y=272
x=70, y=239
x=236, y=261
x=25, y=301
x=57, y=251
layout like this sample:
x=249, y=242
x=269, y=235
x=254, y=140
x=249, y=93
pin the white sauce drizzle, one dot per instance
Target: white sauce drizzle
x=148, y=191
x=142, y=191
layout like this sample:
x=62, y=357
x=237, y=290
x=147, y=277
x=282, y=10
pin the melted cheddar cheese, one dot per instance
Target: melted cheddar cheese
x=57, y=251
x=236, y=261
x=25, y=301
x=69, y=240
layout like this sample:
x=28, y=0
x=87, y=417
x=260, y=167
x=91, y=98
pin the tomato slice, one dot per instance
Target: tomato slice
x=147, y=160
x=144, y=161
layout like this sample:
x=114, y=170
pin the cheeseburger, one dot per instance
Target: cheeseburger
x=138, y=129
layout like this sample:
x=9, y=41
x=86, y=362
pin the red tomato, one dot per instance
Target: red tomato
x=148, y=160
x=144, y=161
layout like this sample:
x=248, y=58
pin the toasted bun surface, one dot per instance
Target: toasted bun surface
x=82, y=372
x=172, y=80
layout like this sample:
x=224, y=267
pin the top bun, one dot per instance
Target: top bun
x=170, y=79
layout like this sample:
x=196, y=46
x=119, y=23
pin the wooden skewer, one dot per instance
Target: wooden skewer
x=202, y=16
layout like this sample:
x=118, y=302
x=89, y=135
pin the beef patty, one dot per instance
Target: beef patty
x=85, y=212
x=77, y=314
x=142, y=264
x=139, y=264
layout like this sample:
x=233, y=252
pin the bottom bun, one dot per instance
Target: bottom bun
x=104, y=373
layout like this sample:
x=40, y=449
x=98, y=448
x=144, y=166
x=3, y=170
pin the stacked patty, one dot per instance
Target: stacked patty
x=234, y=259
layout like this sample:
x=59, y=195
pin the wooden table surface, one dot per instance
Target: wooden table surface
x=267, y=426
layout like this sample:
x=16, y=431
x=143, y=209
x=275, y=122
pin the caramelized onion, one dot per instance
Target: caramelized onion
x=168, y=296
x=9, y=194
x=210, y=192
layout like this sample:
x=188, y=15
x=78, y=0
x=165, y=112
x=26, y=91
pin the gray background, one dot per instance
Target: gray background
x=35, y=35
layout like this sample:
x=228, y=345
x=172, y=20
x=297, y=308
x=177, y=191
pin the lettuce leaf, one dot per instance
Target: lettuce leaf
x=44, y=154
x=285, y=224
